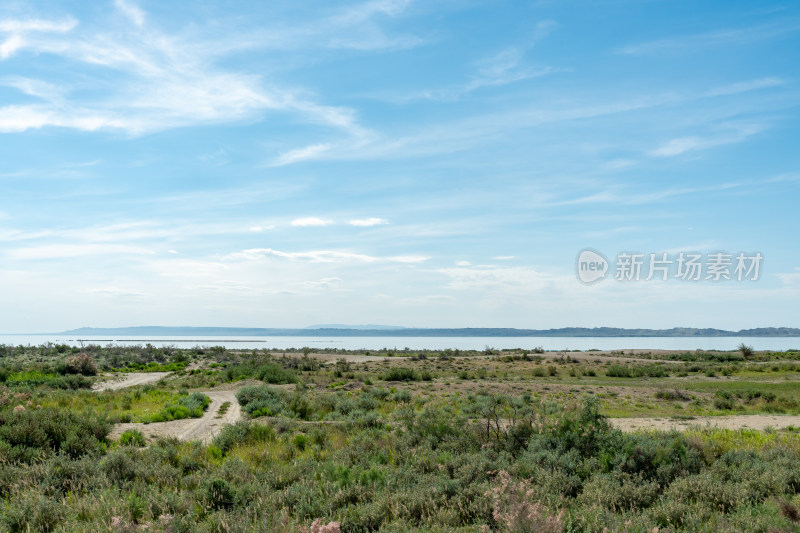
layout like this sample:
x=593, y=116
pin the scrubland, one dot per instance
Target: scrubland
x=397, y=440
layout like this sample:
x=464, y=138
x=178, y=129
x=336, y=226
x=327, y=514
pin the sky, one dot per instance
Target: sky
x=424, y=164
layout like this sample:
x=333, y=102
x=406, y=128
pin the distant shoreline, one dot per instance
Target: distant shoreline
x=166, y=331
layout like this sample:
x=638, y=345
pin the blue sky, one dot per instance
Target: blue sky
x=429, y=164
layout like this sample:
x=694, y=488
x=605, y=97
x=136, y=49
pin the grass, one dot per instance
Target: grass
x=143, y=404
x=725, y=440
x=223, y=409
x=424, y=441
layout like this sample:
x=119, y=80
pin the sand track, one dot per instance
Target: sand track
x=202, y=429
x=130, y=379
x=759, y=422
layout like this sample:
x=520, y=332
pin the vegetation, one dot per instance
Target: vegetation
x=435, y=441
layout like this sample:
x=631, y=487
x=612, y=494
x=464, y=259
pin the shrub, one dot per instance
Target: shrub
x=82, y=363
x=244, y=433
x=218, y=494
x=673, y=395
x=190, y=406
x=260, y=400
x=399, y=374
x=33, y=512
x=120, y=466
x=516, y=509
x=132, y=437
x=747, y=351
x=34, y=434
x=622, y=371
x=272, y=373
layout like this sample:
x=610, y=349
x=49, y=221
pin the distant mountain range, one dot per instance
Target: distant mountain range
x=341, y=330
x=378, y=327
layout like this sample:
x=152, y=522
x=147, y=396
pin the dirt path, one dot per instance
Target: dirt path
x=202, y=429
x=759, y=422
x=130, y=379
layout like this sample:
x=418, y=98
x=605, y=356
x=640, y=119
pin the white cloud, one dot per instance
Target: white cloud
x=463, y=263
x=301, y=154
x=679, y=146
x=22, y=118
x=324, y=283
x=118, y=292
x=132, y=11
x=505, y=67
x=408, y=258
x=328, y=256
x=714, y=38
x=37, y=25
x=366, y=222
x=36, y=88
x=11, y=45
x=354, y=28
x=172, y=80
x=514, y=280
x=18, y=29
x=503, y=257
x=687, y=144
x=56, y=251
x=745, y=86
x=310, y=221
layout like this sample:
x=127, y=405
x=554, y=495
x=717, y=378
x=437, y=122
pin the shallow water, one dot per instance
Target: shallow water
x=419, y=343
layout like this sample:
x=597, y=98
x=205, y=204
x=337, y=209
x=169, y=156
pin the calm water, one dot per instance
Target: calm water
x=419, y=343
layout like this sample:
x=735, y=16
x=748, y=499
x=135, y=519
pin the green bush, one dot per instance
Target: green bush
x=399, y=374
x=243, y=432
x=132, y=437
x=272, y=373
x=190, y=406
x=261, y=400
x=218, y=494
x=31, y=435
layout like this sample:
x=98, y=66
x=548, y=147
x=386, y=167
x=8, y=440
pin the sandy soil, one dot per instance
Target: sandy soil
x=130, y=379
x=202, y=429
x=759, y=422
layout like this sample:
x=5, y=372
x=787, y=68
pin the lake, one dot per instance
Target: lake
x=419, y=343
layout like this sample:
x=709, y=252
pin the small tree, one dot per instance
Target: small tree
x=81, y=364
x=746, y=350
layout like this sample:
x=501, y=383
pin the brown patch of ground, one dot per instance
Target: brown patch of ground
x=130, y=379
x=759, y=422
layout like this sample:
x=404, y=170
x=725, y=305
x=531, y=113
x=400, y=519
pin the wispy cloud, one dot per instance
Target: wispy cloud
x=508, y=280
x=712, y=38
x=310, y=221
x=745, y=86
x=506, y=66
x=328, y=256
x=324, y=283
x=132, y=11
x=37, y=25
x=366, y=222
x=682, y=145
x=172, y=81
x=301, y=154
x=59, y=251
x=361, y=33
x=18, y=32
